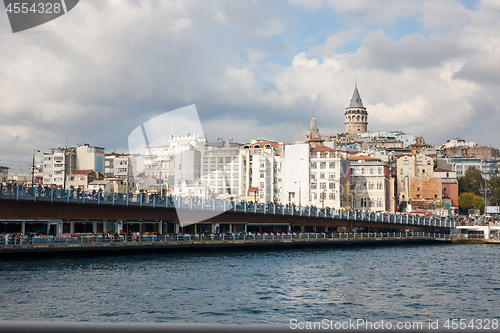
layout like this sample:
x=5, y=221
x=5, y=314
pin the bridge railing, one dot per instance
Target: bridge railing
x=104, y=239
x=238, y=206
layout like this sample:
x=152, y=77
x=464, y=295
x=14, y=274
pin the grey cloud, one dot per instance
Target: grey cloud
x=411, y=51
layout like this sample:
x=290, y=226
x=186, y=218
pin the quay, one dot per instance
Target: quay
x=34, y=247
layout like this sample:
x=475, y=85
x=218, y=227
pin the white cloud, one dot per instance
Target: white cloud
x=111, y=65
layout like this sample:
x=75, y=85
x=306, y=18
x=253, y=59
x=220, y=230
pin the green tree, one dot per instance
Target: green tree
x=471, y=182
x=470, y=201
x=494, y=191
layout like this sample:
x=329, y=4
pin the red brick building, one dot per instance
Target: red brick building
x=483, y=152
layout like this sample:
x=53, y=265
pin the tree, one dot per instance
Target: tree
x=471, y=182
x=494, y=191
x=470, y=201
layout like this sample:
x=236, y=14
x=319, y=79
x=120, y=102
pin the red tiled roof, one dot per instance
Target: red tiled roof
x=81, y=172
x=253, y=188
x=316, y=139
x=441, y=170
x=322, y=148
x=363, y=158
x=262, y=144
x=116, y=154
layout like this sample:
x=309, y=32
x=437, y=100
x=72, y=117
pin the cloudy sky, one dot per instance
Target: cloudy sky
x=252, y=68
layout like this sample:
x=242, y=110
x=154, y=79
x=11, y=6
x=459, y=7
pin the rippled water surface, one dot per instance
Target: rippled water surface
x=389, y=283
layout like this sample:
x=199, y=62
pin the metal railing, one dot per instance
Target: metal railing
x=186, y=238
x=195, y=203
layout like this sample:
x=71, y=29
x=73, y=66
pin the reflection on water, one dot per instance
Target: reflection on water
x=389, y=283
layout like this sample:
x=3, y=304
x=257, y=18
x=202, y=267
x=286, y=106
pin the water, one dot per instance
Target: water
x=254, y=287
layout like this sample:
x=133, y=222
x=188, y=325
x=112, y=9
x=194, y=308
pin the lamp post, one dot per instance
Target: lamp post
x=33, y=168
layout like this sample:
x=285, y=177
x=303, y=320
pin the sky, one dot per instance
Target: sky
x=254, y=69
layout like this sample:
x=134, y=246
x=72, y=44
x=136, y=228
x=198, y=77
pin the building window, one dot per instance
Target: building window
x=371, y=171
x=262, y=175
x=331, y=196
x=322, y=175
x=322, y=165
x=314, y=186
x=313, y=165
x=362, y=171
x=406, y=162
x=332, y=165
x=418, y=163
x=322, y=186
x=331, y=186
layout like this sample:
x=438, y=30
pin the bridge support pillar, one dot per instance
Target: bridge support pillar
x=301, y=228
x=23, y=228
x=94, y=227
x=71, y=227
x=177, y=228
x=160, y=227
x=59, y=228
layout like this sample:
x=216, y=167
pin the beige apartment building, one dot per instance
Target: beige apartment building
x=411, y=166
x=369, y=182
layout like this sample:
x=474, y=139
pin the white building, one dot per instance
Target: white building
x=461, y=164
x=89, y=158
x=56, y=164
x=119, y=166
x=406, y=138
x=458, y=143
x=222, y=170
x=263, y=170
x=329, y=177
x=296, y=177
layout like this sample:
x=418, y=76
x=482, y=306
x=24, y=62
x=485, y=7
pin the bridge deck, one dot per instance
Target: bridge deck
x=158, y=206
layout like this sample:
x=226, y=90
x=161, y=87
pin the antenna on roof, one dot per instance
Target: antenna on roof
x=356, y=82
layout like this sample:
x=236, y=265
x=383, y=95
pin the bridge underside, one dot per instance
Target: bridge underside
x=46, y=211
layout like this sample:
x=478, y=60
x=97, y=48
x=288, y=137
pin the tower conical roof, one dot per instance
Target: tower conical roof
x=356, y=99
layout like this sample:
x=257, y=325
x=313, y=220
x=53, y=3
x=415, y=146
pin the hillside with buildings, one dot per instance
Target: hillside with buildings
x=360, y=170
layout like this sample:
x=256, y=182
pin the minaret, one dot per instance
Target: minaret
x=313, y=131
x=356, y=117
